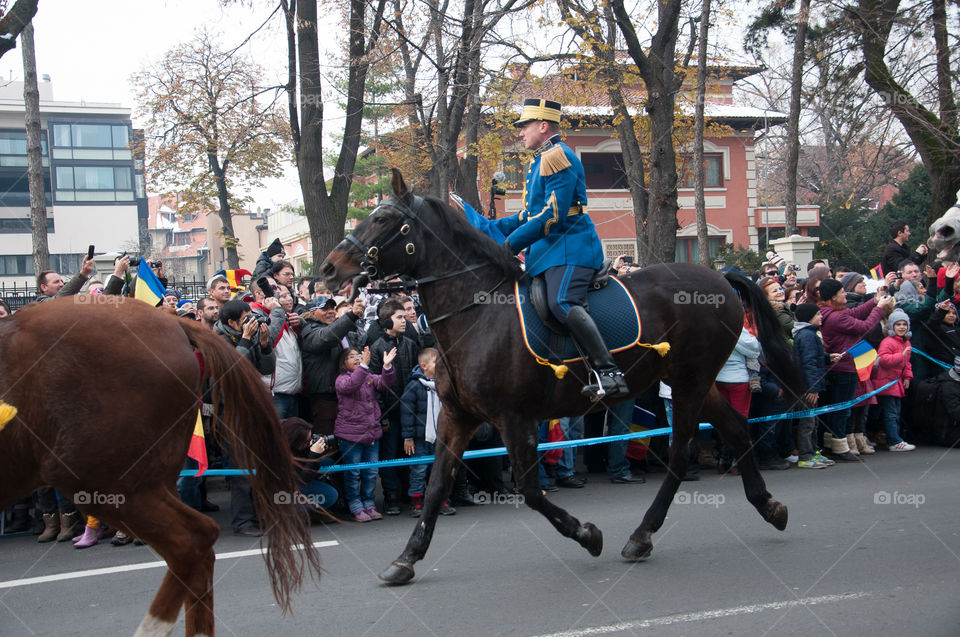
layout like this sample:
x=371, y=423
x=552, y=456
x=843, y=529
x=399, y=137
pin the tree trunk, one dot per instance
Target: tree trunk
x=793, y=121
x=226, y=215
x=38, y=197
x=703, y=245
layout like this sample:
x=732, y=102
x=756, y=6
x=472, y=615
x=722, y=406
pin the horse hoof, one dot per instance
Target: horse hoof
x=636, y=551
x=591, y=538
x=397, y=574
x=777, y=515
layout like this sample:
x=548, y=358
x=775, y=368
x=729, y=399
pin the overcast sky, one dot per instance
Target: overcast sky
x=91, y=48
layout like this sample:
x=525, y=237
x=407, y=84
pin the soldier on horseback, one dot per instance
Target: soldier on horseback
x=559, y=237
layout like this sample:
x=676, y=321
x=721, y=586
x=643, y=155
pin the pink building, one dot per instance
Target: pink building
x=733, y=213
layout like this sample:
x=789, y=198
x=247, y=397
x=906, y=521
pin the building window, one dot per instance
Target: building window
x=15, y=188
x=91, y=141
x=712, y=171
x=20, y=225
x=604, y=171
x=94, y=183
x=13, y=148
x=688, y=251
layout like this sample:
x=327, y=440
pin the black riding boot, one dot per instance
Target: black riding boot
x=585, y=333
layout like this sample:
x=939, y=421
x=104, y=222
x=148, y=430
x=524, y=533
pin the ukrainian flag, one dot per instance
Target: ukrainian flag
x=148, y=287
x=863, y=356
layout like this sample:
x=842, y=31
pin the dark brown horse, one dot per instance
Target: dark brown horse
x=488, y=376
x=107, y=393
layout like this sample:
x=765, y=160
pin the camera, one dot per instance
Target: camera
x=627, y=258
x=899, y=275
x=253, y=316
x=327, y=440
x=135, y=261
x=793, y=268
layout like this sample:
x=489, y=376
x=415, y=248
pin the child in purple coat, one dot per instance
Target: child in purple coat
x=358, y=426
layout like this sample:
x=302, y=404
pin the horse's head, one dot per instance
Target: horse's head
x=384, y=244
x=945, y=234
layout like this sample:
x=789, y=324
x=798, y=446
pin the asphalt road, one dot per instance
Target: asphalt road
x=871, y=549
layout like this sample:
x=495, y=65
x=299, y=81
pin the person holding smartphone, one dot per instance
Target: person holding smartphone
x=50, y=284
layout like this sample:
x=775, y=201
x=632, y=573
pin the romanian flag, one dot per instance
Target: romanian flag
x=876, y=272
x=554, y=434
x=863, y=357
x=234, y=277
x=198, y=446
x=148, y=287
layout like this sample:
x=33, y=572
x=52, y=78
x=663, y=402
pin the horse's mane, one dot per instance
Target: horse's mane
x=465, y=239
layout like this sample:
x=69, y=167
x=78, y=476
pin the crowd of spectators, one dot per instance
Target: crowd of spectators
x=353, y=381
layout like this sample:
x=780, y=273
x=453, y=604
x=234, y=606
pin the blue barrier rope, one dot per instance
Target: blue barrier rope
x=546, y=446
x=932, y=359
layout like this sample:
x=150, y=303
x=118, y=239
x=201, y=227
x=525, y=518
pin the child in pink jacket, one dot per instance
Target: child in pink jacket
x=893, y=363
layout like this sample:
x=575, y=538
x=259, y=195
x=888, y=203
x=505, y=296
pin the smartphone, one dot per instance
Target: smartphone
x=265, y=286
x=627, y=258
x=90, y=252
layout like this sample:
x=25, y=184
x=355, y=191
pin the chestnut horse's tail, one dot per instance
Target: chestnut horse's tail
x=777, y=352
x=250, y=429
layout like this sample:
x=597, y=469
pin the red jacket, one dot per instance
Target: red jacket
x=892, y=365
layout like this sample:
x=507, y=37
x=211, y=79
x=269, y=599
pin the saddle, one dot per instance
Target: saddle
x=608, y=302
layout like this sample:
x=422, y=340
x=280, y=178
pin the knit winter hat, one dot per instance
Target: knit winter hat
x=850, y=281
x=895, y=317
x=829, y=288
x=806, y=311
x=274, y=248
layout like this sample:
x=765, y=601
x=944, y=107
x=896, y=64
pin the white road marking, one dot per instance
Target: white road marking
x=93, y=572
x=707, y=614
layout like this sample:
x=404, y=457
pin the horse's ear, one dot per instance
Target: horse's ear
x=398, y=185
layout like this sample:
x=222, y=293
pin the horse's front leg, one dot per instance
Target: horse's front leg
x=521, y=440
x=453, y=434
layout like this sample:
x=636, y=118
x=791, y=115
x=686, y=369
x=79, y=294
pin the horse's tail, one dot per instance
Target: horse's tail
x=250, y=429
x=776, y=350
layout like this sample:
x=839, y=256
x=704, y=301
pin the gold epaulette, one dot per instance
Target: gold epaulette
x=553, y=161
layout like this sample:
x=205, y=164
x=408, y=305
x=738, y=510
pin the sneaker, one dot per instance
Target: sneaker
x=821, y=459
x=446, y=509
x=810, y=464
x=754, y=383
x=361, y=516
x=793, y=458
x=903, y=446
x=372, y=513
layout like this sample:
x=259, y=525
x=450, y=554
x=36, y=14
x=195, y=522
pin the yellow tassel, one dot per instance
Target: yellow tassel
x=558, y=370
x=7, y=413
x=659, y=348
x=553, y=161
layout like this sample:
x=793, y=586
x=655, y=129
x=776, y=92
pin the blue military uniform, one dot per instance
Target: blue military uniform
x=561, y=241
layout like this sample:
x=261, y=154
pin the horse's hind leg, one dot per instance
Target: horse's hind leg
x=686, y=409
x=452, y=438
x=521, y=441
x=184, y=538
x=733, y=428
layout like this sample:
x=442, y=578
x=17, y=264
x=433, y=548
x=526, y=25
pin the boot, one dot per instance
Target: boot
x=417, y=508
x=827, y=444
x=841, y=450
x=391, y=503
x=852, y=445
x=863, y=445
x=70, y=526
x=51, y=527
x=706, y=456
x=612, y=383
x=90, y=537
x=20, y=521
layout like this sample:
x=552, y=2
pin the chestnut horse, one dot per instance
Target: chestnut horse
x=107, y=392
x=487, y=375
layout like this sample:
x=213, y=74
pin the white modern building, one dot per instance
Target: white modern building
x=94, y=183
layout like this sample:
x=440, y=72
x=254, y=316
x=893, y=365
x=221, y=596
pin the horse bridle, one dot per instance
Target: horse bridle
x=371, y=253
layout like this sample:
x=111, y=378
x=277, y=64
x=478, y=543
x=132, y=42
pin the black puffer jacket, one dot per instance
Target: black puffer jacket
x=321, y=346
x=406, y=360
